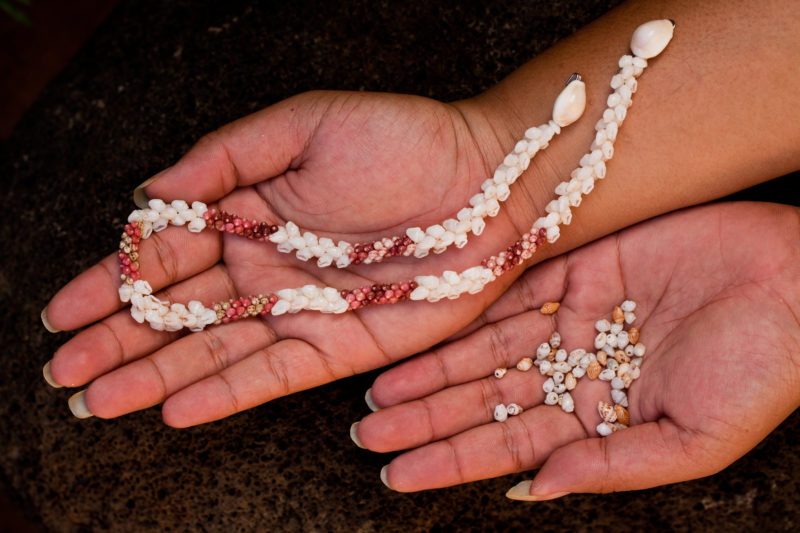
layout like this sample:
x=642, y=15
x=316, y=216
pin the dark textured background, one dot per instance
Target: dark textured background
x=151, y=81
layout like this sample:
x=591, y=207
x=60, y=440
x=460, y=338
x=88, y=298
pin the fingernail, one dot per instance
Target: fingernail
x=46, y=322
x=48, y=376
x=77, y=404
x=140, y=197
x=384, y=477
x=370, y=401
x=522, y=492
x=354, y=435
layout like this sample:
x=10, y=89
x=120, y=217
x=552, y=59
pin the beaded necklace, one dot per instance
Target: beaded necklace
x=648, y=41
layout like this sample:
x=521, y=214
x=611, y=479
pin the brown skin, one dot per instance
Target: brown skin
x=707, y=120
x=718, y=299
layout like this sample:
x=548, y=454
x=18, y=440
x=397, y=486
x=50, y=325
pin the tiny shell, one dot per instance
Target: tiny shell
x=605, y=429
x=639, y=349
x=630, y=318
x=548, y=385
x=622, y=339
x=616, y=328
x=561, y=355
x=575, y=357
x=651, y=38
x=633, y=335
x=549, y=308
x=544, y=366
x=561, y=366
x=500, y=372
x=578, y=372
x=606, y=375
x=602, y=325
x=543, y=350
x=612, y=364
x=593, y=370
x=622, y=415
x=607, y=412
x=558, y=377
x=560, y=388
x=600, y=341
x=621, y=357
x=628, y=306
x=618, y=315
x=500, y=413
x=569, y=381
x=617, y=383
x=555, y=339
x=619, y=397
x=551, y=398
x=513, y=409
x=571, y=103
x=602, y=357
x=566, y=402
x=525, y=364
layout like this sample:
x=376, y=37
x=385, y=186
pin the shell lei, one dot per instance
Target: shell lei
x=648, y=41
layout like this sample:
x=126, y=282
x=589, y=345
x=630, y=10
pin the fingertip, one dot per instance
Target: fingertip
x=48, y=376
x=354, y=436
x=370, y=402
x=140, y=196
x=385, y=476
x=78, y=405
x=46, y=322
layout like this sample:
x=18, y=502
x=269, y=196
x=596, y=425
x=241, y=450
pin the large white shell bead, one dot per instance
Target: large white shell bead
x=571, y=103
x=651, y=38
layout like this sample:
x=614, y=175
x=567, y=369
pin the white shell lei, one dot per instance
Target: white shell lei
x=648, y=41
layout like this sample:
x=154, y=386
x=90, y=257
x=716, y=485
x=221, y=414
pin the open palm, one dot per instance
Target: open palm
x=718, y=294
x=349, y=166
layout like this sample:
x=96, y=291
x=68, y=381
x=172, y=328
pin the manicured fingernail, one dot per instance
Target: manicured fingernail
x=140, y=197
x=384, y=477
x=48, y=376
x=46, y=322
x=354, y=435
x=522, y=492
x=370, y=401
x=77, y=404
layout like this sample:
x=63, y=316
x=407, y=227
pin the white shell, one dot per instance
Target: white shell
x=651, y=38
x=567, y=403
x=500, y=372
x=500, y=413
x=570, y=104
x=513, y=409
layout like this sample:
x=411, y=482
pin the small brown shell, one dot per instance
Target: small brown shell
x=549, y=308
x=633, y=335
x=593, y=370
x=622, y=415
x=601, y=357
x=618, y=315
x=621, y=357
x=525, y=364
x=569, y=381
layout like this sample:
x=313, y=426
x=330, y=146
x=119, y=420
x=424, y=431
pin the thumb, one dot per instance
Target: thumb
x=247, y=151
x=640, y=457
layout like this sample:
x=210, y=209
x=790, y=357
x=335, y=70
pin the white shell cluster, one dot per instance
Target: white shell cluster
x=162, y=315
x=160, y=214
x=307, y=245
x=451, y=284
x=309, y=297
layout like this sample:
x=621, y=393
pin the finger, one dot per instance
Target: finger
x=166, y=258
x=542, y=283
x=448, y=412
x=643, y=456
x=277, y=370
x=149, y=381
x=520, y=443
x=495, y=345
x=119, y=339
x=244, y=152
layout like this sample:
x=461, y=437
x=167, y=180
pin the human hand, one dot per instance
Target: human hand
x=717, y=297
x=350, y=166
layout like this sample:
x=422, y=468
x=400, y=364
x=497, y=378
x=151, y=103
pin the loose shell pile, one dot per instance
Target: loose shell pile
x=617, y=359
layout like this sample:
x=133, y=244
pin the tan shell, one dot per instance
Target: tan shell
x=618, y=315
x=621, y=357
x=602, y=357
x=525, y=364
x=549, y=308
x=607, y=411
x=593, y=370
x=633, y=335
x=569, y=381
x=622, y=415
